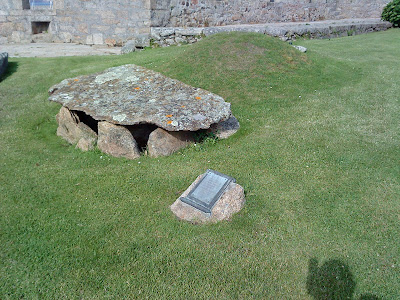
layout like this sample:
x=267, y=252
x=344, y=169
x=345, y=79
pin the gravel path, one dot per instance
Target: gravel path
x=56, y=49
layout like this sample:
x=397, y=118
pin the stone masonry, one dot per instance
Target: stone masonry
x=204, y=13
x=167, y=36
x=87, y=22
x=115, y=22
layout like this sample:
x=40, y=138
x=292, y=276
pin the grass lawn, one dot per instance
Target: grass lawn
x=318, y=154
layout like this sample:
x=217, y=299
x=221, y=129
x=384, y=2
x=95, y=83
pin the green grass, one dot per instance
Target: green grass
x=317, y=153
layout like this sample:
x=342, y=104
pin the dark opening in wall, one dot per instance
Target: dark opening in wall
x=40, y=27
x=25, y=4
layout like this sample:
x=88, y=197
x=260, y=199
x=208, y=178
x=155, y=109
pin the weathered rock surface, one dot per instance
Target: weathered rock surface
x=142, y=40
x=165, y=36
x=225, y=129
x=86, y=143
x=3, y=62
x=163, y=143
x=75, y=132
x=68, y=125
x=117, y=141
x=301, y=48
x=230, y=202
x=129, y=47
x=129, y=95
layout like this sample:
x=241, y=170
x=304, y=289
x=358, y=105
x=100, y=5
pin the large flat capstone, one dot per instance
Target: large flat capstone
x=130, y=95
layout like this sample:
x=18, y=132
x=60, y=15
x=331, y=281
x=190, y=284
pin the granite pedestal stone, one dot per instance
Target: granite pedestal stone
x=230, y=202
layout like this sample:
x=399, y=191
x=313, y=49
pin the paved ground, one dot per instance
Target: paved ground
x=56, y=49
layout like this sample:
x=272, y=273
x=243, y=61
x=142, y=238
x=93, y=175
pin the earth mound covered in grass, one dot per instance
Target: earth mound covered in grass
x=256, y=73
x=236, y=62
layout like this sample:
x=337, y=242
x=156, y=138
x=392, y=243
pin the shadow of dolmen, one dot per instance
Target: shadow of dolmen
x=332, y=280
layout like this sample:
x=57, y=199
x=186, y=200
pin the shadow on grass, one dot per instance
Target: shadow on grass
x=332, y=280
x=11, y=69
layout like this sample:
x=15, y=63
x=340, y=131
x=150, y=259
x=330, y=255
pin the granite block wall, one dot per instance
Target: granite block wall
x=82, y=21
x=204, y=13
x=115, y=22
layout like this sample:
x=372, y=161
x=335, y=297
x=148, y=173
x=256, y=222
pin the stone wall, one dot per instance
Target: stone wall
x=110, y=22
x=82, y=21
x=167, y=36
x=115, y=22
x=204, y=13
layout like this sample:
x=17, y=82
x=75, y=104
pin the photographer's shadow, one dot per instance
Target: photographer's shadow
x=332, y=281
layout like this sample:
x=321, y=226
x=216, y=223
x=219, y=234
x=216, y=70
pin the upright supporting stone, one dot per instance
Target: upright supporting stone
x=226, y=128
x=88, y=141
x=117, y=141
x=163, y=143
x=75, y=132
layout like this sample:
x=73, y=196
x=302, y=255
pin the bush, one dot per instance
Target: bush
x=391, y=13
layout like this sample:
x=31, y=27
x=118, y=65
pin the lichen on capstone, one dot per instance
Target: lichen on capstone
x=120, y=118
x=103, y=78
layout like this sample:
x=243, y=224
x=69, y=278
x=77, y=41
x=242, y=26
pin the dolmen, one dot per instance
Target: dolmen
x=128, y=110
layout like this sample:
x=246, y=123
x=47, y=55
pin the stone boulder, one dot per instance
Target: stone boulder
x=225, y=129
x=231, y=201
x=3, y=62
x=142, y=40
x=130, y=46
x=117, y=141
x=88, y=142
x=164, y=143
x=75, y=132
x=300, y=48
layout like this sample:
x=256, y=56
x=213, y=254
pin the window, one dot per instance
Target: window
x=25, y=4
x=40, y=4
x=40, y=27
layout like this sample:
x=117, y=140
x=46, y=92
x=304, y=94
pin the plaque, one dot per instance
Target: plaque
x=208, y=190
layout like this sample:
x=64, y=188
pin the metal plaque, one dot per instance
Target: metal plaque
x=208, y=190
